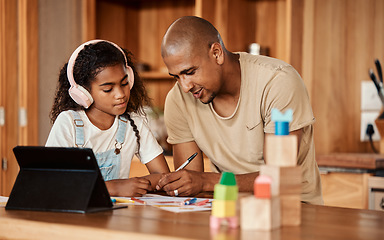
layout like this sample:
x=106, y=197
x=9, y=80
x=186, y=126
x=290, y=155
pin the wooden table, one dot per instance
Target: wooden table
x=146, y=222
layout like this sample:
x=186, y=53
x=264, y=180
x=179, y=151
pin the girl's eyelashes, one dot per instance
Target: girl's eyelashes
x=109, y=86
x=123, y=84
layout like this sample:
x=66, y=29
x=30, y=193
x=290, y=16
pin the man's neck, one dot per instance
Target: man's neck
x=226, y=102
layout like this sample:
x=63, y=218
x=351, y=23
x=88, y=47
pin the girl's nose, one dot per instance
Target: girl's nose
x=120, y=93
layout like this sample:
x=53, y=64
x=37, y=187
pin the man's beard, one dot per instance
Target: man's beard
x=213, y=95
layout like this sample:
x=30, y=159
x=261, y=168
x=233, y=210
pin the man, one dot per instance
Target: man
x=221, y=105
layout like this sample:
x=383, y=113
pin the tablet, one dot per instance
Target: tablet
x=58, y=179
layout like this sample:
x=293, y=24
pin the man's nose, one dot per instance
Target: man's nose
x=186, y=84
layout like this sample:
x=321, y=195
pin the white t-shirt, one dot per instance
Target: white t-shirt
x=63, y=135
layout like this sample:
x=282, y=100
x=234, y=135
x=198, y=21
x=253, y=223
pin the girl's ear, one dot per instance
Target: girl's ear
x=217, y=52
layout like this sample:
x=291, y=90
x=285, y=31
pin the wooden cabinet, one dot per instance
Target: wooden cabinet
x=345, y=189
x=18, y=83
x=376, y=193
x=344, y=178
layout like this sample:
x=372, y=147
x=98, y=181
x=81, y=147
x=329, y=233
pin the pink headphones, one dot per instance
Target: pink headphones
x=78, y=93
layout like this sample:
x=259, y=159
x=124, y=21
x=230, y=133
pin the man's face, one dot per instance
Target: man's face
x=197, y=72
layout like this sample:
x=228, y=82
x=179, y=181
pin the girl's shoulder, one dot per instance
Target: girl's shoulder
x=140, y=120
x=68, y=116
x=69, y=113
x=136, y=117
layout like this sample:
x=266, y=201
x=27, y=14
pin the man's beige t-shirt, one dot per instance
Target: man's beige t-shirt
x=236, y=143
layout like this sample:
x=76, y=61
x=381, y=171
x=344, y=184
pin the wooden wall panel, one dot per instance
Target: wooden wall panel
x=154, y=19
x=28, y=70
x=88, y=20
x=295, y=9
x=266, y=28
x=243, y=22
x=307, y=46
x=345, y=45
x=240, y=31
x=117, y=22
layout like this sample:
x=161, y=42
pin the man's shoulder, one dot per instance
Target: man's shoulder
x=262, y=61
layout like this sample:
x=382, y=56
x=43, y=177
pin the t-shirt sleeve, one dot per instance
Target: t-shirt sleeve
x=62, y=133
x=287, y=91
x=175, y=117
x=149, y=147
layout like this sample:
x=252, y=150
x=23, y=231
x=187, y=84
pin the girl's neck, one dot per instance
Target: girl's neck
x=100, y=119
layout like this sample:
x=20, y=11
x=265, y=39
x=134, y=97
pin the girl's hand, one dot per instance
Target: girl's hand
x=131, y=187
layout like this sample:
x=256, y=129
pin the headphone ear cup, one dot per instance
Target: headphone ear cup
x=81, y=96
x=131, y=77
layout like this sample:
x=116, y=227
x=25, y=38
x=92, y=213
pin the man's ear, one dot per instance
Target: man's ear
x=217, y=53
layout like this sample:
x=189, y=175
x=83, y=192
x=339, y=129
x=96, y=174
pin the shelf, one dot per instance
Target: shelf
x=155, y=75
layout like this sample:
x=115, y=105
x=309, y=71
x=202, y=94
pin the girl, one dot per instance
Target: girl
x=99, y=104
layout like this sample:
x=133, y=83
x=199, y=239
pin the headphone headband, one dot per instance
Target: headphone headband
x=79, y=94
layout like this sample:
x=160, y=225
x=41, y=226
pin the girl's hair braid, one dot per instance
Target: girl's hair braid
x=137, y=134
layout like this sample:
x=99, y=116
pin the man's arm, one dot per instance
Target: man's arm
x=182, y=151
x=190, y=183
x=298, y=133
x=192, y=180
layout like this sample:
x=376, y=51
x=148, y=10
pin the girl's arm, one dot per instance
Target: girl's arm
x=62, y=132
x=131, y=187
x=157, y=167
x=138, y=186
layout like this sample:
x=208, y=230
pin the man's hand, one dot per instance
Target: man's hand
x=186, y=182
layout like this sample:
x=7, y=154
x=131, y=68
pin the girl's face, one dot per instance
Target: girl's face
x=110, y=91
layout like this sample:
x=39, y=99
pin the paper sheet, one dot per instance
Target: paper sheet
x=173, y=204
x=3, y=201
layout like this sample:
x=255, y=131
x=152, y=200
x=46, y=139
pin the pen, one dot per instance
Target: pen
x=189, y=202
x=187, y=162
x=202, y=202
x=186, y=200
x=121, y=200
x=138, y=200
